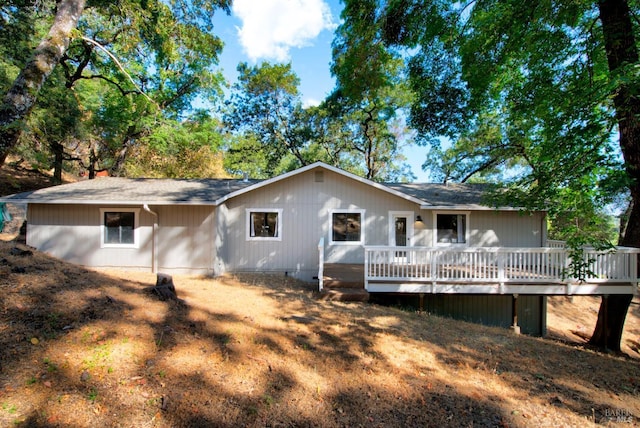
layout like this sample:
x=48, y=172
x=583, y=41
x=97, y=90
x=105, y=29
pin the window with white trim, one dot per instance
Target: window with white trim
x=450, y=228
x=119, y=227
x=347, y=227
x=264, y=224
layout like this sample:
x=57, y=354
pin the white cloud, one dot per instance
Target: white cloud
x=310, y=102
x=270, y=28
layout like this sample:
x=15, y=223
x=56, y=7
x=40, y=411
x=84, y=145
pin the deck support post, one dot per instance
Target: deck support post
x=421, y=307
x=514, y=314
x=605, y=315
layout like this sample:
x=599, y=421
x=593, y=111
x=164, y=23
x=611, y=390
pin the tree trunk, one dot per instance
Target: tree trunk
x=624, y=221
x=164, y=288
x=19, y=101
x=93, y=159
x=58, y=159
x=621, y=52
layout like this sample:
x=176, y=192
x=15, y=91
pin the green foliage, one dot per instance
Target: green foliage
x=18, y=27
x=265, y=107
x=131, y=63
x=371, y=96
x=580, y=264
x=245, y=155
x=272, y=133
x=522, y=93
x=361, y=62
x=187, y=149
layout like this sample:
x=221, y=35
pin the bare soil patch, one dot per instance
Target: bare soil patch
x=81, y=348
x=16, y=178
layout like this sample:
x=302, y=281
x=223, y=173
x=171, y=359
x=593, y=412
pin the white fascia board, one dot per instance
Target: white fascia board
x=328, y=168
x=101, y=202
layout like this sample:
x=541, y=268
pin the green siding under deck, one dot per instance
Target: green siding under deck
x=489, y=310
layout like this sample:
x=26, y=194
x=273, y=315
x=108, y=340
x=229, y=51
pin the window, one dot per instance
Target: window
x=450, y=228
x=119, y=227
x=264, y=224
x=346, y=227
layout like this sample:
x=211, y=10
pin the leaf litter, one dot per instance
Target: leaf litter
x=80, y=347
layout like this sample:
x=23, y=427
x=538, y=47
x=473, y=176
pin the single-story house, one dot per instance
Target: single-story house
x=430, y=239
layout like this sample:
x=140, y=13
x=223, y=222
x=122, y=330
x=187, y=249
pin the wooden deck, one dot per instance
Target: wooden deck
x=480, y=270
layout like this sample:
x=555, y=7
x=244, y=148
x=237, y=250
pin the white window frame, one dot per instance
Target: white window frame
x=435, y=228
x=136, y=227
x=347, y=211
x=248, y=212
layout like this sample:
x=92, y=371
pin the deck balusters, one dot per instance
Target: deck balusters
x=493, y=265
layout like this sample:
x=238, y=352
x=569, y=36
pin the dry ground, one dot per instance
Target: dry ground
x=80, y=348
x=20, y=178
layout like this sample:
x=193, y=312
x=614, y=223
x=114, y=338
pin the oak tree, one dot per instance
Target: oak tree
x=546, y=90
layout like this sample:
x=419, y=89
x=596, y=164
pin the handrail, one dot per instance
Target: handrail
x=320, y=264
x=554, y=243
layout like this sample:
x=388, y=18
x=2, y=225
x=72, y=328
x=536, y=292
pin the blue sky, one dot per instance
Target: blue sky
x=296, y=31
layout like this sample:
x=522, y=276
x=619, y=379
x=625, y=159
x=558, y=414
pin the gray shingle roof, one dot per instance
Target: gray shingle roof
x=443, y=195
x=137, y=191
x=129, y=191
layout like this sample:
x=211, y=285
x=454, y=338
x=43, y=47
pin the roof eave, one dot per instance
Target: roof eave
x=102, y=202
x=472, y=207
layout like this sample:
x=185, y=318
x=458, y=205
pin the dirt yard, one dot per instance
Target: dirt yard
x=80, y=348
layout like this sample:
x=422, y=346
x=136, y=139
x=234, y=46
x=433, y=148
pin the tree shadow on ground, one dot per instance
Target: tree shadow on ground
x=558, y=375
x=112, y=355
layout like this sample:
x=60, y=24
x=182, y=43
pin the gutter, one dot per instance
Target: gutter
x=154, y=240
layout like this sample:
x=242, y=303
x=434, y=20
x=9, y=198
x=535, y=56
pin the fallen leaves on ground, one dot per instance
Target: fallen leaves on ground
x=86, y=348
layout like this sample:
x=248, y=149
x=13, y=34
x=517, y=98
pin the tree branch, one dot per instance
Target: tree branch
x=102, y=48
x=113, y=82
x=21, y=97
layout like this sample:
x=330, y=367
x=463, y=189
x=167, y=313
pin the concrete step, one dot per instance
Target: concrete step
x=342, y=283
x=343, y=294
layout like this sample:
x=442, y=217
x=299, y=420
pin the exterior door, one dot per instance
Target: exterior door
x=400, y=231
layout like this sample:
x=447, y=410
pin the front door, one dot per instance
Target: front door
x=400, y=230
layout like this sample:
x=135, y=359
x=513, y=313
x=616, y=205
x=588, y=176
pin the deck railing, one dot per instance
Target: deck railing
x=554, y=243
x=494, y=265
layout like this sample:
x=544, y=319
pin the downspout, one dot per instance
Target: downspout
x=543, y=230
x=154, y=240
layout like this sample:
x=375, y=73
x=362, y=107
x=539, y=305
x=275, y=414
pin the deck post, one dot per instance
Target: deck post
x=501, y=263
x=514, y=314
x=366, y=269
x=433, y=272
x=421, y=307
x=605, y=315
